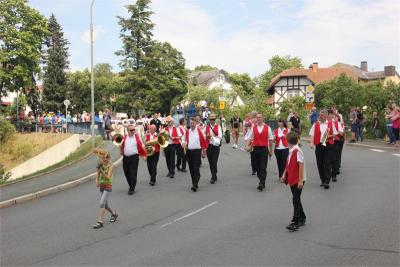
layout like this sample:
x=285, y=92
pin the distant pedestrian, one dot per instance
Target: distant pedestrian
x=236, y=123
x=294, y=176
x=395, y=117
x=375, y=124
x=104, y=183
x=313, y=115
x=360, y=125
x=389, y=124
x=353, y=122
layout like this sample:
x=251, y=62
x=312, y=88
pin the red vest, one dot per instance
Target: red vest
x=292, y=169
x=317, y=133
x=337, y=137
x=203, y=142
x=173, y=134
x=139, y=144
x=182, y=130
x=156, y=147
x=283, y=138
x=208, y=131
x=260, y=139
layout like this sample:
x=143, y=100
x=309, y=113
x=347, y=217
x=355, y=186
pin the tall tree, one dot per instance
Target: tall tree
x=278, y=64
x=56, y=64
x=204, y=68
x=135, y=34
x=22, y=31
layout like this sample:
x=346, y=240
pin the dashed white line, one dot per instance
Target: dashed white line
x=188, y=215
x=377, y=150
x=397, y=155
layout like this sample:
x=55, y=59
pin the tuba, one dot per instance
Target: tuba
x=149, y=146
x=163, y=139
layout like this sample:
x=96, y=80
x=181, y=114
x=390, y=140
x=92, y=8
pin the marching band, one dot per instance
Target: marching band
x=180, y=145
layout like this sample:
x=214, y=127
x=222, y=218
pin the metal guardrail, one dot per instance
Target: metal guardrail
x=76, y=128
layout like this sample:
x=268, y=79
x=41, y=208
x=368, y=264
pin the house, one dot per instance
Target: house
x=296, y=82
x=388, y=74
x=215, y=79
x=10, y=98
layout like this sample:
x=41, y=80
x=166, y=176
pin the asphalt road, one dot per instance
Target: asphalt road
x=230, y=223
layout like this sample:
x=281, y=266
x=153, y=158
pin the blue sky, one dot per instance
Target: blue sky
x=240, y=35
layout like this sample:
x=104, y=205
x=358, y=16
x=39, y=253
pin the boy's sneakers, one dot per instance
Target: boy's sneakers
x=293, y=227
x=98, y=225
x=114, y=217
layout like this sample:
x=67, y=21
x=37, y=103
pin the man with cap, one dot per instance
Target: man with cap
x=173, y=143
x=130, y=148
x=213, y=137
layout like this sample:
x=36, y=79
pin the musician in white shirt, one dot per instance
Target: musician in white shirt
x=213, y=137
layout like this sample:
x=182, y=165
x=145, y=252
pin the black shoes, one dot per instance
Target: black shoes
x=172, y=176
x=260, y=187
x=212, y=181
x=334, y=179
x=194, y=189
x=293, y=227
x=326, y=186
x=152, y=183
x=322, y=185
x=114, y=217
x=253, y=173
x=98, y=225
x=183, y=170
x=302, y=223
x=131, y=191
x=168, y=175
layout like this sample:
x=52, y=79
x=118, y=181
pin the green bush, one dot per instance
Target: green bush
x=6, y=130
x=4, y=175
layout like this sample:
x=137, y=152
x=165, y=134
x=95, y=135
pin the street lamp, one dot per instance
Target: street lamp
x=91, y=70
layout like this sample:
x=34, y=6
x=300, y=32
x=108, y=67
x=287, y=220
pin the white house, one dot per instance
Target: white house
x=215, y=79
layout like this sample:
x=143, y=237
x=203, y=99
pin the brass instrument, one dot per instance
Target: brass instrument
x=117, y=139
x=161, y=140
x=101, y=153
x=324, y=137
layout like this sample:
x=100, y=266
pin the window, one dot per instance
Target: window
x=292, y=93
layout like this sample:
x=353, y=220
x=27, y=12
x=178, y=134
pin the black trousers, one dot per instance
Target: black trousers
x=170, y=151
x=339, y=151
x=253, y=162
x=335, y=159
x=152, y=166
x=181, y=158
x=298, y=212
x=193, y=158
x=324, y=162
x=261, y=162
x=130, y=166
x=281, y=158
x=212, y=156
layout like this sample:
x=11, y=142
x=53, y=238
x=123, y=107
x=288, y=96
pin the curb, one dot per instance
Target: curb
x=370, y=146
x=52, y=190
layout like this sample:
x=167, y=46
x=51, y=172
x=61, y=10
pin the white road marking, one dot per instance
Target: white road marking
x=189, y=214
x=397, y=155
x=377, y=150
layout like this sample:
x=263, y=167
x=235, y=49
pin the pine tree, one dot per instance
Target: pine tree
x=56, y=64
x=136, y=34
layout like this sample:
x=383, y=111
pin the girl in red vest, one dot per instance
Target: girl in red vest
x=294, y=176
x=281, y=145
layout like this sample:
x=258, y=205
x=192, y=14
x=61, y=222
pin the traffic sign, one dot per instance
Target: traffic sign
x=309, y=106
x=309, y=97
x=310, y=89
x=67, y=102
x=221, y=105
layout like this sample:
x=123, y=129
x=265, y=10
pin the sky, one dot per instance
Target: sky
x=241, y=35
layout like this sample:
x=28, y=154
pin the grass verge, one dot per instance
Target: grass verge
x=82, y=152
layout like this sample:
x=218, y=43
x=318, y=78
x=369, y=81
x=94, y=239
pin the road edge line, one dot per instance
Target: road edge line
x=51, y=190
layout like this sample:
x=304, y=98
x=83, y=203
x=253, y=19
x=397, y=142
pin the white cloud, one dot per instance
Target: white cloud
x=243, y=4
x=97, y=31
x=327, y=31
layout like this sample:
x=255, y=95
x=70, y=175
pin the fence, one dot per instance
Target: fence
x=75, y=128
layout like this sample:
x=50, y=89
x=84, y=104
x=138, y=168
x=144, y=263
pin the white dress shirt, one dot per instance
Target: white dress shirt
x=215, y=139
x=194, y=139
x=130, y=147
x=280, y=134
x=250, y=134
x=323, y=126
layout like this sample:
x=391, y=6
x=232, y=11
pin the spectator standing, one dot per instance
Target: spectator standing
x=395, y=117
x=360, y=125
x=353, y=120
x=296, y=124
x=375, y=124
x=313, y=115
x=236, y=123
x=389, y=124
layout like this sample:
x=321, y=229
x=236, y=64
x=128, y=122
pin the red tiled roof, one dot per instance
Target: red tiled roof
x=321, y=75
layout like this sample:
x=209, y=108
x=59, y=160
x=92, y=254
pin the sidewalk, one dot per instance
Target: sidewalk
x=60, y=176
x=378, y=144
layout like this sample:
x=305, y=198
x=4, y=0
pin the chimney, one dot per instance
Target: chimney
x=389, y=71
x=364, y=66
x=315, y=67
x=310, y=67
